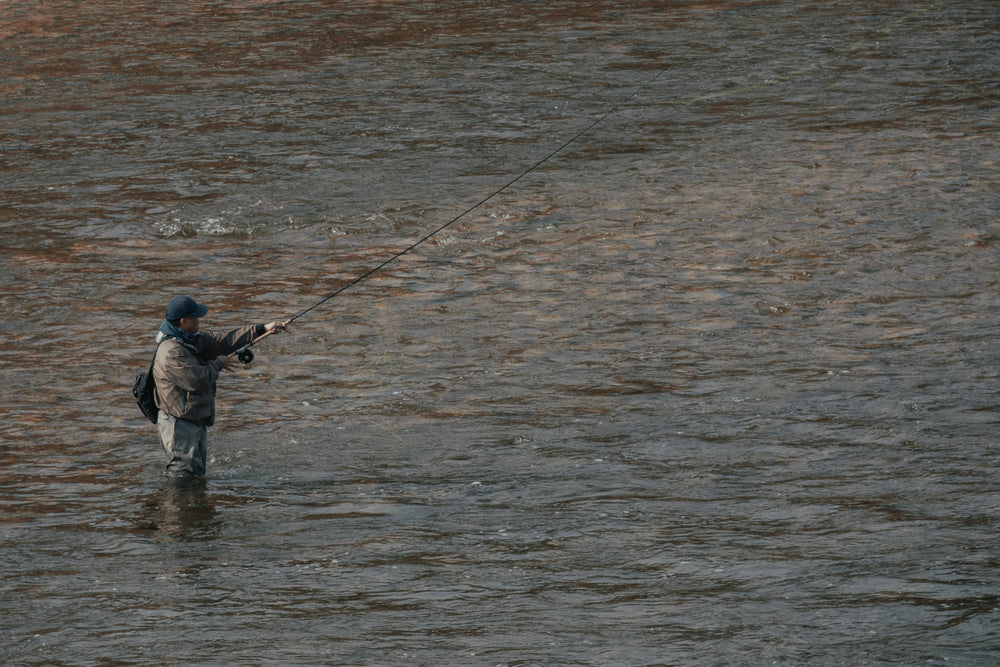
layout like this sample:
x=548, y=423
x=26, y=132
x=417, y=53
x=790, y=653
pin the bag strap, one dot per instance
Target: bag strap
x=153, y=362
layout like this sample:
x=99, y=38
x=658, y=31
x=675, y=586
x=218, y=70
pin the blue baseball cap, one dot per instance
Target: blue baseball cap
x=184, y=306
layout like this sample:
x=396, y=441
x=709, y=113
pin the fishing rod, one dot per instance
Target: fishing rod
x=245, y=352
x=245, y=355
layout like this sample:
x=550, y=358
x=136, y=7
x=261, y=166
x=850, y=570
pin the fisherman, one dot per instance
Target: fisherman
x=186, y=368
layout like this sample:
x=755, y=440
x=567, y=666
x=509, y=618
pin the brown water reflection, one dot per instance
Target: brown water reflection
x=183, y=509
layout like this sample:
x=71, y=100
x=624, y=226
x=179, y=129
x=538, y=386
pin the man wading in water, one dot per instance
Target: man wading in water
x=185, y=369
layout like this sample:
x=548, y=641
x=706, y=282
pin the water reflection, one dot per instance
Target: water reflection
x=717, y=385
x=181, y=509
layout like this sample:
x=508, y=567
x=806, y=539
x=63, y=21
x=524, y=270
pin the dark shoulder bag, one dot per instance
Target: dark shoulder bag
x=144, y=391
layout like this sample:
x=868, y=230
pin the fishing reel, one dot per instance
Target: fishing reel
x=245, y=355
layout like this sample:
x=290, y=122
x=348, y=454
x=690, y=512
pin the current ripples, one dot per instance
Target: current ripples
x=713, y=385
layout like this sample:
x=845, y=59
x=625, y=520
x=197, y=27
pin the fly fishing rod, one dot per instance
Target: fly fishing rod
x=245, y=355
x=245, y=352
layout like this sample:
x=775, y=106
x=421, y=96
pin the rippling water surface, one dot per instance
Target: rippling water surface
x=716, y=383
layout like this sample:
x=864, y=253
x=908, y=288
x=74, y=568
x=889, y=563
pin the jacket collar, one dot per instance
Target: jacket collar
x=186, y=338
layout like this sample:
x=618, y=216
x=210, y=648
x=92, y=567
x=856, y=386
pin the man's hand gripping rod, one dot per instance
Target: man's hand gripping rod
x=245, y=354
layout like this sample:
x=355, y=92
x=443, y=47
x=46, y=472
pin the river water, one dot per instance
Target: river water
x=715, y=384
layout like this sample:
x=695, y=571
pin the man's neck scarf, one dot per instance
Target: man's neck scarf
x=167, y=329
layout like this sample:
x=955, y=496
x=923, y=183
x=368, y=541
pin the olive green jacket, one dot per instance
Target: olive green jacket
x=186, y=373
